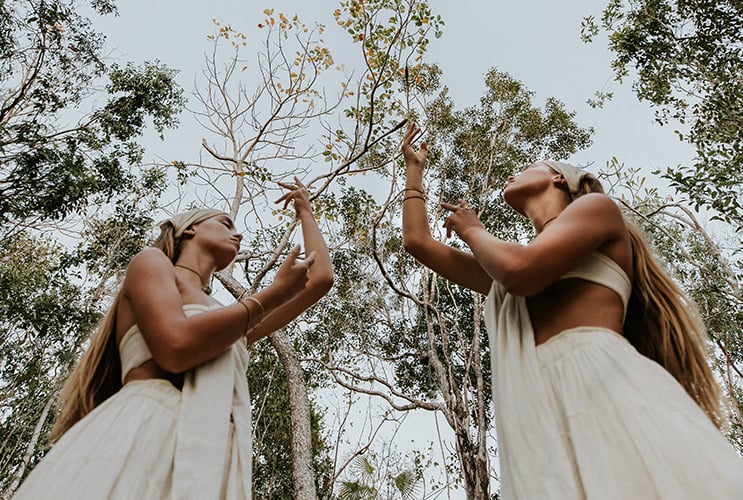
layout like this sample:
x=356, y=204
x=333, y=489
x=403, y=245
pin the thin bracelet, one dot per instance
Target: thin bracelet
x=247, y=309
x=413, y=196
x=263, y=311
x=408, y=188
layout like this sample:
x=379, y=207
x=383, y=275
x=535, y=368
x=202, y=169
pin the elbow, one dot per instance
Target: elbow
x=523, y=286
x=324, y=284
x=409, y=244
x=171, y=363
x=320, y=286
x=520, y=280
x=413, y=245
x=174, y=355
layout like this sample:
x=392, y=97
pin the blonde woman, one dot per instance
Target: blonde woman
x=600, y=380
x=158, y=407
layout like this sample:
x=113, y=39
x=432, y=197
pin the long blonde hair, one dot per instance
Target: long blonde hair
x=663, y=323
x=97, y=376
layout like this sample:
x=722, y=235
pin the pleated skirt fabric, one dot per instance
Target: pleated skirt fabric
x=632, y=430
x=122, y=450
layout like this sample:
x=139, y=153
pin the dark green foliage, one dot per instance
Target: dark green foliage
x=61, y=156
x=53, y=158
x=272, y=465
x=44, y=318
x=394, y=329
x=686, y=58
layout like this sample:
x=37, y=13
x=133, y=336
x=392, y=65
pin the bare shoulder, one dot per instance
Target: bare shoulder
x=599, y=208
x=595, y=201
x=149, y=262
x=603, y=222
x=149, y=256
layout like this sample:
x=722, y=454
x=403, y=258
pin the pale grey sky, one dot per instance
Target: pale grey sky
x=536, y=41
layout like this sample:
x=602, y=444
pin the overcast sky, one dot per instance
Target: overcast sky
x=536, y=41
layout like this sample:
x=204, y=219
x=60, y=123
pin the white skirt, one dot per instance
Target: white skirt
x=631, y=428
x=123, y=449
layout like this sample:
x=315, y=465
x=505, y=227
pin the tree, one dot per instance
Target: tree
x=272, y=432
x=686, y=58
x=51, y=298
x=372, y=478
x=54, y=159
x=255, y=115
x=396, y=331
x=42, y=315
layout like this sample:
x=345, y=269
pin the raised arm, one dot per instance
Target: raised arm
x=592, y=222
x=320, y=276
x=179, y=342
x=451, y=263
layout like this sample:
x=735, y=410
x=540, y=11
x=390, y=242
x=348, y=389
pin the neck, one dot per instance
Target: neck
x=544, y=214
x=198, y=271
x=540, y=226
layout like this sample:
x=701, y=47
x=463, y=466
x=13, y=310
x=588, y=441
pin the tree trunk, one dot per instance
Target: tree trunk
x=30, y=448
x=304, y=478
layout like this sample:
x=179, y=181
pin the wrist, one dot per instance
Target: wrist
x=469, y=233
x=414, y=169
x=271, y=297
x=305, y=213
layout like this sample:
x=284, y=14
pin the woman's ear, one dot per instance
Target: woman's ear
x=189, y=232
x=560, y=182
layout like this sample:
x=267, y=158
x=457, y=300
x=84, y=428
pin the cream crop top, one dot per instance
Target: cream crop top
x=133, y=350
x=598, y=268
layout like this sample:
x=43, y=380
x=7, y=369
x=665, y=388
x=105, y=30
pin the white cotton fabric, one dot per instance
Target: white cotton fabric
x=152, y=441
x=573, y=175
x=585, y=416
x=184, y=220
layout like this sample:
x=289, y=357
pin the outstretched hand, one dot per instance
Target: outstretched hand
x=463, y=218
x=297, y=192
x=412, y=157
x=293, y=275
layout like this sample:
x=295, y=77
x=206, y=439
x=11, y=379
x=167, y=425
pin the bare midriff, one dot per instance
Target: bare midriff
x=150, y=370
x=571, y=303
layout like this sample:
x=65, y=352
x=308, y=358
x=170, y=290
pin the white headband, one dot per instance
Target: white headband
x=184, y=220
x=572, y=174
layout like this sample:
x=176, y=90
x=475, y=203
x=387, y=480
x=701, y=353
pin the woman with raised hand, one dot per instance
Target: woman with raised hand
x=601, y=383
x=158, y=406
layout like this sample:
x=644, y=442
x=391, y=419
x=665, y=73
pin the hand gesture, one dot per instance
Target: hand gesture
x=293, y=274
x=463, y=217
x=297, y=192
x=413, y=158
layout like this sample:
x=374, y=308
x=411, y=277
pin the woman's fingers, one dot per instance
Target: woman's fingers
x=411, y=134
x=310, y=260
x=461, y=203
x=294, y=253
x=295, y=190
